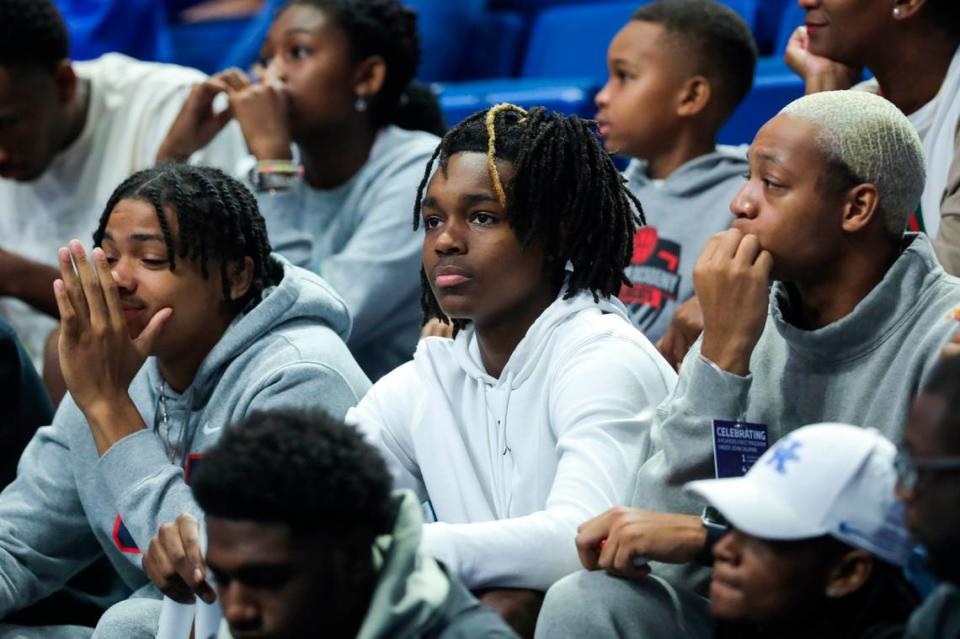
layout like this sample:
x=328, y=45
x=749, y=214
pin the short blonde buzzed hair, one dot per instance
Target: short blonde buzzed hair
x=874, y=141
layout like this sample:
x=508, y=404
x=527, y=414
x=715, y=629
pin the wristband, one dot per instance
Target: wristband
x=274, y=175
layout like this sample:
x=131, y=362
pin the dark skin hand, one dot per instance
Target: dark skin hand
x=628, y=534
x=685, y=327
x=519, y=607
x=174, y=563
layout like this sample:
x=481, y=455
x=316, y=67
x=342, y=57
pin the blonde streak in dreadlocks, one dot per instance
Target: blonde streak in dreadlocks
x=490, y=122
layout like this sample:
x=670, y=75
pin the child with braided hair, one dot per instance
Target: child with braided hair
x=180, y=322
x=525, y=422
x=340, y=137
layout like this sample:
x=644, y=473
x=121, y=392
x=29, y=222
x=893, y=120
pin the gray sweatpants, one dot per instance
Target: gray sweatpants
x=11, y=631
x=135, y=618
x=594, y=604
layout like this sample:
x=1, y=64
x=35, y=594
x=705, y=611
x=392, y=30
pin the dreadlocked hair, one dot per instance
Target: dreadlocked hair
x=218, y=220
x=565, y=194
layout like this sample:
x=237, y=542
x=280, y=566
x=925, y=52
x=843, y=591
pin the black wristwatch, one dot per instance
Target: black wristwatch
x=716, y=527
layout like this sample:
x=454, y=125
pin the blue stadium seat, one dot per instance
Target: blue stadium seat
x=571, y=41
x=460, y=99
x=564, y=67
x=218, y=44
x=530, y=8
x=443, y=27
x=137, y=28
x=767, y=28
x=212, y=46
x=565, y=64
x=791, y=18
x=494, y=50
x=770, y=93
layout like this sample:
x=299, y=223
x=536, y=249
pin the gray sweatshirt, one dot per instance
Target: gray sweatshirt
x=862, y=369
x=68, y=506
x=682, y=212
x=360, y=238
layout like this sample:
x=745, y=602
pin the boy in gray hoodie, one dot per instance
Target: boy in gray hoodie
x=318, y=541
x=183, y=323
x=678, y=69
x=857, y=316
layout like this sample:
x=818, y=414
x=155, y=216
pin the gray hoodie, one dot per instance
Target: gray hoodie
x=68, y=506
x=359, y=236
x=862, y=369
x=682, y=212
x=414, y=597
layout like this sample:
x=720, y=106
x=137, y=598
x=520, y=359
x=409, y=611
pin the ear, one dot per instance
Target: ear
x=850, y=574
x=66, y=81
x=694, y=96
x=908, y=8
x=368, y=76
x=860, y=206
x=241, y=277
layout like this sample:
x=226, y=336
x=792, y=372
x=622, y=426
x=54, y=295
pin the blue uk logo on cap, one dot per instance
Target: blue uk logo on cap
x=783, y=452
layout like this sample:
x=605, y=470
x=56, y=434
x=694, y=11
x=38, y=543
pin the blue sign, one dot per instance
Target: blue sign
x=737, y=446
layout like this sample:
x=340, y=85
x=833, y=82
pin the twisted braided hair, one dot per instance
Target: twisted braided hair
x=218, y=220
x=388, y=29
x=565, y=194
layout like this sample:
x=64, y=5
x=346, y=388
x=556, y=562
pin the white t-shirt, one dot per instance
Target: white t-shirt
x=132, y=105
x=936, y=123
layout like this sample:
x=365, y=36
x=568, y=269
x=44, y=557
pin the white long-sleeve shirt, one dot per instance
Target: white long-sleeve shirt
x=512, y=466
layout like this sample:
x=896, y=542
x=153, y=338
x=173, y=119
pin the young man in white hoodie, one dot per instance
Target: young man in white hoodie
x=526, y=421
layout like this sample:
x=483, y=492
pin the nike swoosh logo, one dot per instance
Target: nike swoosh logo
x=210, y=430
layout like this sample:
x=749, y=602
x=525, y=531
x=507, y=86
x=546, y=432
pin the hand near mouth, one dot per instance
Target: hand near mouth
x=818, y=72
x=98, y=358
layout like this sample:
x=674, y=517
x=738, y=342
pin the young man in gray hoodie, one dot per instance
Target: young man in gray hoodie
x=183, y=323
x=855, y=320
x=319, y=541
x=678, y=70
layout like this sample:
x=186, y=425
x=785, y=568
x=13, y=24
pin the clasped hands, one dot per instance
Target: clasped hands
x=260, y=109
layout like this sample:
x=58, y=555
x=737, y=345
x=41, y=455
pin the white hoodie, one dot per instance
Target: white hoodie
x=512, y=466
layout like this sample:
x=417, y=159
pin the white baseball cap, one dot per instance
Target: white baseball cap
x=822, y=479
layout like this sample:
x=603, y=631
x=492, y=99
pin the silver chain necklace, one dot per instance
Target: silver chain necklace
x=165, y=425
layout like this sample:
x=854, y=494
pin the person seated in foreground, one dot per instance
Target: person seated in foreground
x=855, y=320
x=179, y=323
x=526, y=422
x=817, y=541
x=928, y=470
x=316, y=540
x=811, y=542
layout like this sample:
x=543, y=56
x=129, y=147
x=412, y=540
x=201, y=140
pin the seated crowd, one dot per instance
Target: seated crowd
x=329, y=368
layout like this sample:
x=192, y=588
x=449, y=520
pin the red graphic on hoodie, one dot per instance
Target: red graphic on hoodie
x=652, y=271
